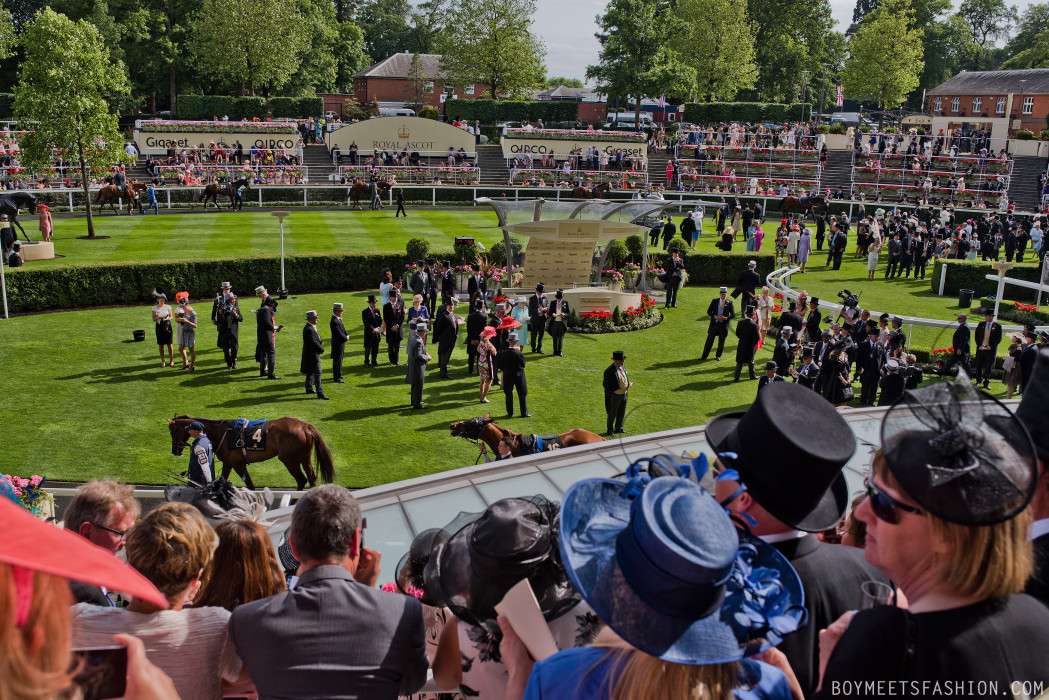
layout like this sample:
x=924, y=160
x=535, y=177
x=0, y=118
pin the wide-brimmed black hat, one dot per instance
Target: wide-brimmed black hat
x=471, y=570
x=412, y=565
x=789, y=448
x=960, y=454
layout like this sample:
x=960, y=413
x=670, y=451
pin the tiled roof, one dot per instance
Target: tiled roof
x=996, y=82
x=398, y=65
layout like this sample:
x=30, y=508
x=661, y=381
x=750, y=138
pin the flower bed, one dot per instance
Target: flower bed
x=31, y=494
x=645, y=315
x=167, y=127
x=573, y=135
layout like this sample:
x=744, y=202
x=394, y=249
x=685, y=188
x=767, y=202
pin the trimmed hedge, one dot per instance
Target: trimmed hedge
x=492, y=111
x=1008, y=313
x=205, y=107
x=75, y=286
x=971, y=274
x=710, y=269
x=296, y=107
x=7, y=105
x=701, y=113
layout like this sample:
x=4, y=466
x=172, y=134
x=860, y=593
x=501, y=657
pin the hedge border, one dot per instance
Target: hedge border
x=492, y=111
x=971, y=274
x=718, y=112
x=204, y=107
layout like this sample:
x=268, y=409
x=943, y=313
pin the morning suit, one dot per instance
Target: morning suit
x=537, y=306
x=748, y=281
x=794, y=321
x=265, y=349
x=892, y=386
x=748, y=335
x=558, y=327
x=476, y=287
x=615, y=397
x=393, y=318
x=332, y=637
x=812, y=326
x=513, y=366
x=718, y=329
x=764, y=381
x=446, y=331
x=985, y=358
x=1028, y=356
x=960, y=342
x=475, y=323
x=831, y=575
x=808, y=375
x=339, y=336
x=447, y=286
x=417, y=369
x=783, y=357
x=420, y=284
x=371, y=319
x=868, y=368
x=673, y=267
x=895, y=247
x=312, y=349
x=431, y=303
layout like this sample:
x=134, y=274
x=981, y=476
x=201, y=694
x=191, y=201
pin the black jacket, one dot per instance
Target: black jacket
x=791, y=319
x=748, y=281
x=513, y=366
x=961, y=339
x=747, y=332
x=812, y=323
x=728, y=312
x=445, y=331
x=339, y=336
x=393, y=317
x=371, y=318
x=996, y=334
x=312, y=349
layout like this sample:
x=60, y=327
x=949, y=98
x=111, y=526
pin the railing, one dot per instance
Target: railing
x=259, y=174
x=977, y=179
x=415, y=174
x=538, y=177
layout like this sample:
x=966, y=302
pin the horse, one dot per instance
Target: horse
x=360, y=188
x=289, y=439
x=596, y=192
x=228, y=189
x=110, y=194
x=11, y=202
x=804, y=204
x=482, y=428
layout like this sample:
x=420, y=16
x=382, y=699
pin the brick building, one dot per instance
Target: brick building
x=1004, y=100
x=387, y=80
x=590, y=104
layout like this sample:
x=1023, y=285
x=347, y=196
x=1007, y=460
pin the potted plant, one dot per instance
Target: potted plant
x=631, y=275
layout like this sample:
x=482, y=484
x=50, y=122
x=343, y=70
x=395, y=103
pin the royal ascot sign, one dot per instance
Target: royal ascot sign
x=413, y=134
x=562, y=143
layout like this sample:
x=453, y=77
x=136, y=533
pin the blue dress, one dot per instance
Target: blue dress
x=583, y=673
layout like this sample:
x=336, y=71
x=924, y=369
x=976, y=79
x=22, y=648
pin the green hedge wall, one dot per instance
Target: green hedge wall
x=707, y=269
x=296, y=107
x=7, y=105
x=699, y=113
x=968, y=274
x=205, y=107
x=491, y=111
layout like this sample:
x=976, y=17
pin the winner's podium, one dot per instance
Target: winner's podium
x=37, y=250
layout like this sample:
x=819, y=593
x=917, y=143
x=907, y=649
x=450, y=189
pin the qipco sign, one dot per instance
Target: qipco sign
x=541, y=147
x=160, y=143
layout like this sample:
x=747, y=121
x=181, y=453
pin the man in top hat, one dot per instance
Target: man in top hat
x=15, y=258
x=673, y=267
x=432, y=276
x=339, y=336
x=892, y=384
x=476, y=286
x=616, y=384
x=790, y=318
x=417, y=359
x=224, y=289
x=265, y=341
x=1033, y=412
x=201, y=456
x=748, y=335
x=447, y=281
x=228, y=319
x=371, y=319
x=960, y=343
x=559, y=312
x=720, y=311
x=869, y=355
x=312, y=349
x=812, y=321
x=475, y=323
x=1028, y=357
x=537, y=309
x=748, y=281
x=393, y=325
x=420, y=283
x=781, y=465
x=771, y=376
x=446, y=332
x=783, y=352
x=513, y=367
x=988, y=337
x=809, y=372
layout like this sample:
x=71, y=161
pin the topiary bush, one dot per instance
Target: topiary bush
x=635, y=245
x=428, y=112
x=617, y=255
x=417, y=248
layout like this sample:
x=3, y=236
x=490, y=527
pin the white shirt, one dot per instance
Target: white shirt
x=782, y=536
x=1037, y=529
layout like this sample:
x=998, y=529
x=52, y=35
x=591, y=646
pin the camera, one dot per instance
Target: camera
x=848, y=299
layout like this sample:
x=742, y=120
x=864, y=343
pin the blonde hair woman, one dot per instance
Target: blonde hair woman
x=765, y=305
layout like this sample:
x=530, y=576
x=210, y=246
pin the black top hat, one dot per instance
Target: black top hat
x=790, y=447
x=515, y=538
x=814, y=301
x=806, y=352
x=446, y=263
x=475, y=267
x=1029, y=327
x=792, y=305
x=771, y=365
x=960, y=454
x=618, y=355
x=430, y=261
x=674, y=250
x=1033, y=410
x=371, y=299
x=1044, y=336
x=540, y=287
x=560, y=294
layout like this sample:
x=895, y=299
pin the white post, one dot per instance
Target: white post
x=303, y=204
x=1002, y=268
x=70, y=201
x=433, y=196
x=280, y=217
x=260, y=195
x=1045, y=262
x=910, y=332
x=169, y=198
x=943, y=276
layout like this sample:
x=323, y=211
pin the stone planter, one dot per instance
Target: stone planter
x=836, y=142
x=654, y=283
x=1029, y=148
x=614, y=286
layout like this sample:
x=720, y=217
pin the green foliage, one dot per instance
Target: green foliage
x=717, y=268
x=573, y=318
x=970, y=274
x=296, y=107
x=617, y=255
x=715, y=40
x=7, y=105
x=491, y=42
x=386, y=29
x=617, y=316
x=465, y=254
x=418, y=89
x=635, y=245
x=7, y=34
x=497, y=254
x=77, y=286
x=700, y=113
x=1008, y=312
x=428, y=112
x=1024, y=135
x=417, y=248
x=791, y=37
x=885, y=55
x=350, y=54
x=318, y=66
x=492, y=111
x=567, y=82
x=206, y=107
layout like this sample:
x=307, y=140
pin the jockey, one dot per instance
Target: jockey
x=202, y=457
x=120, y=181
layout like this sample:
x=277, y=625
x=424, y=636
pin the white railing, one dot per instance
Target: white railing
x=415, y=174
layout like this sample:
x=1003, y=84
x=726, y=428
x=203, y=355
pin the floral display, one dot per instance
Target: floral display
x=645, y=315
x=31, y=494
x=575, y=135
x=220, y=127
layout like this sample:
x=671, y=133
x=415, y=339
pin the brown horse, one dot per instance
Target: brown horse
x=360, y=188
x=226, y=189
x=596, y=192
x=803, y=204
x=111, y=194
x=289, y=439
x=482, y=428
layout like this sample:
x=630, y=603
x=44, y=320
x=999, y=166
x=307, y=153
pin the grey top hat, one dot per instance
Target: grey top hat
x=336, y=306
x=227, y=285
x=260, y=289
x=311, y=314
x=421, y=328
x=511, y=338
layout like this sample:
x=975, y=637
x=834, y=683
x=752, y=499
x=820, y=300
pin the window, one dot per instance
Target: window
x=429, y=85
x=977, y=105
x=999, y=107
x=937, y=105
x=449, y=89
x=469, y=89
x=955, y=103
x=670, y=116
x=1028, y=106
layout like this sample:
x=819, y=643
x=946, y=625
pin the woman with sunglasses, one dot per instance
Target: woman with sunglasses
x=946, y=516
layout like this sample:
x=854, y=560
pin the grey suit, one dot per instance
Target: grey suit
x=332, y=637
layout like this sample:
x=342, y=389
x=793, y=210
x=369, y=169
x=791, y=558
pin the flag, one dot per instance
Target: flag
x=841, y=97
x=662, y=101
x=923, y=98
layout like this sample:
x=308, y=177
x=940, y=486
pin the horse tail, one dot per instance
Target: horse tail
x=98, y=197
x=325, y=465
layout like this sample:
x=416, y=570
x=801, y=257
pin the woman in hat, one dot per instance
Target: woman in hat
x=685, y=597
x=520, y=315
x=46, y=226
x=486, y=353
x=765, y=304
x=837, y=377
x=187, y=340
x=418, y=313
x=1011, y=365
x=947, y=521
x=171, y=547
x=162, y=320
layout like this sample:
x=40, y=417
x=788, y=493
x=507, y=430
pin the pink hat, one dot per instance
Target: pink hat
x=488, y=332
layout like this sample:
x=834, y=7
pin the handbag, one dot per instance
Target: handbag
x=848, y=394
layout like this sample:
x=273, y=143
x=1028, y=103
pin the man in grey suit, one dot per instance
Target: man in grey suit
x=334, y=635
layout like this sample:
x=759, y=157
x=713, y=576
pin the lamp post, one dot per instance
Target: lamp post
x=282, y=291
x=823, y=90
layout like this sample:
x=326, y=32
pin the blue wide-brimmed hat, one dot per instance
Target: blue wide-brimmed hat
x=662, y=564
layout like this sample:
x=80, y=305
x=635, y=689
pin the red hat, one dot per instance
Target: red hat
x=30, y=544
x=488, y=332
x=508, y=322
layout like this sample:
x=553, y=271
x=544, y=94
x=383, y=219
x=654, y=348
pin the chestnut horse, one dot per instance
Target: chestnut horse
x=288, y=439
x=111, y=194
x=359, y=188
x=595, y=192
x=804, y=204
x=482, y=428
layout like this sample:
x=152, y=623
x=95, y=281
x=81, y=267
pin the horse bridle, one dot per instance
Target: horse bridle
x=473, y=428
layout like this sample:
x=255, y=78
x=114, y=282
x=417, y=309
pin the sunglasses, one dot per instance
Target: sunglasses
x=122, y=534
x=885, y=506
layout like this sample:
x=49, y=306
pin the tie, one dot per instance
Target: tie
x=721, y=307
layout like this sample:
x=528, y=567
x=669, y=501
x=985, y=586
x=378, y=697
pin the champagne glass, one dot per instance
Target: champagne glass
x=874, y=594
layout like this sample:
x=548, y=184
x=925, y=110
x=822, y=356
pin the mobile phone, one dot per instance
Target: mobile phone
x=103, y=672
x=364, y=526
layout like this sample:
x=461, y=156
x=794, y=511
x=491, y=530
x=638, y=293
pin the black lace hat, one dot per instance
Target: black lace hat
x=960, y=454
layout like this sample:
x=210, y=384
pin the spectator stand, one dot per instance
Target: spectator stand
x=413, y=175
x=976, y=181
x=751, y=169
x=257, y=174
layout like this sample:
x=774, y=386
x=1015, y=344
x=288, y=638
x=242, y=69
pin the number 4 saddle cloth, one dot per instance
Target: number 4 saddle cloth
x=533, y=444
x=243, y=434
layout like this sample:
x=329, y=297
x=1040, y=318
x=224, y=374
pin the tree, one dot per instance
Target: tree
x=252, y=44
x=428, y=20
x=386, y=28
x=567, y=82
x=790, y=36
x=636, y=60
x=318, y=69
x=7, y=34
x=988, y=20
x=66, y=80
x=862, y=9
x=715, y=40
x=417, y=88
x=885, y=55
x=349, y=52
x=491, y=42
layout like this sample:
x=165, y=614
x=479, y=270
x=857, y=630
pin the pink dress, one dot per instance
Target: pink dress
x=45, y=222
